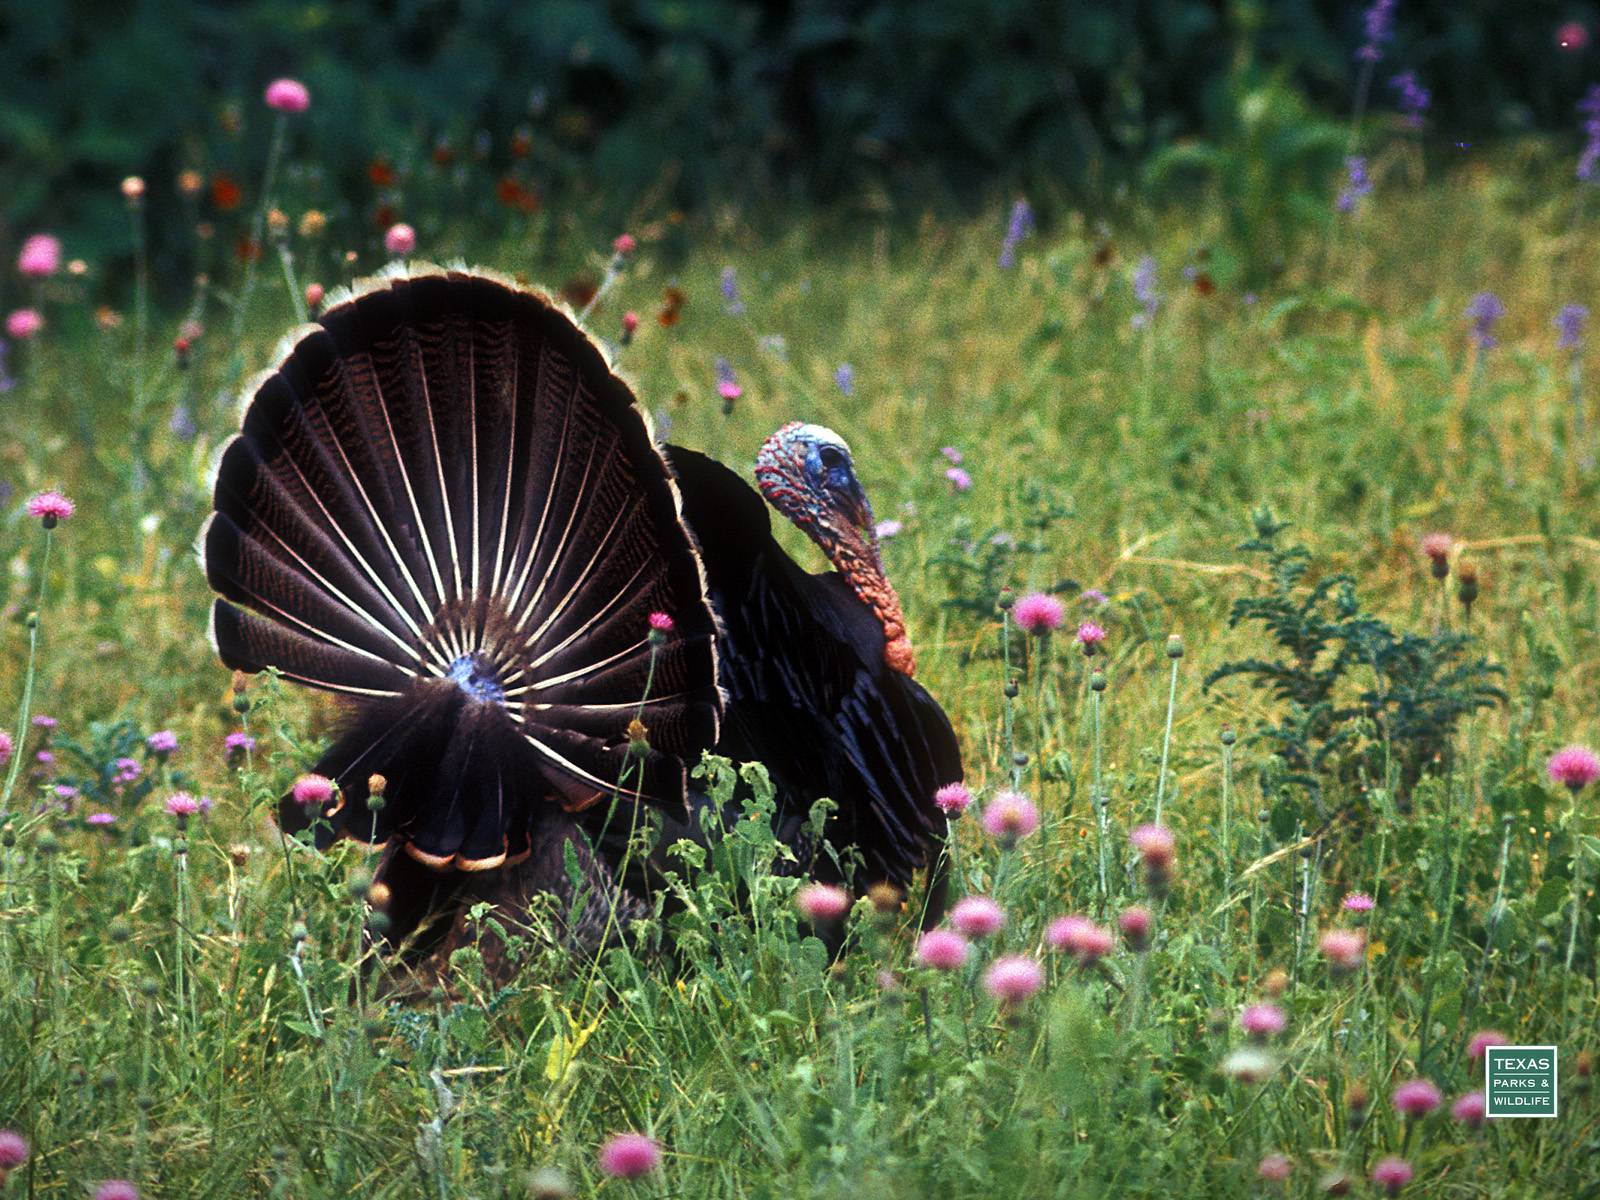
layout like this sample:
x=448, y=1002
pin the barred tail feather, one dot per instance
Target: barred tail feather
x=444, y=507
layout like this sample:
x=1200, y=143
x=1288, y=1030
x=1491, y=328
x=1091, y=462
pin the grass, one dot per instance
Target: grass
x=238, y=1052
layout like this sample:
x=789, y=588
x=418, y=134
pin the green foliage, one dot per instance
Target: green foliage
x=1362, y=702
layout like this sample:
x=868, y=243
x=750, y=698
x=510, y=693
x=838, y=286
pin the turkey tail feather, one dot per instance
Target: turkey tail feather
x=445, y=507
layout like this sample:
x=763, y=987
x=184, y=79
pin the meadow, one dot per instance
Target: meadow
x=1102, y=415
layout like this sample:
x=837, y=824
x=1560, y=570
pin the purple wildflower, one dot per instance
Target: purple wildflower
x=101, y=818
x=1377, y=24
x=951, y=455
x=162, y=742
x=1589, y=160
x=844, y=378
x=1094, y=596
x=1570, y=321
x=125, y=771
x=1144, y=291
x=1020, y=225
x=1412, y=97
x=1484, y=310
x=959, y=479
x=728, y=386
x=1357, y=183
x=888, y=528
x=729, y=285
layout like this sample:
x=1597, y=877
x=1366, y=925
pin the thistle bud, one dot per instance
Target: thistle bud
x=1174, y=646
x=1008, y=599
x=118, y=930
x=379, y=894
x=377, y=785
x=1011, y=689
x=1467, y=584
x=638, y=738
x=1097, y=680
x=885, y=899
x=1229, y=737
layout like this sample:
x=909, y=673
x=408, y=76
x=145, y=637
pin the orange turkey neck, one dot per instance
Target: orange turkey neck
x=855, y=556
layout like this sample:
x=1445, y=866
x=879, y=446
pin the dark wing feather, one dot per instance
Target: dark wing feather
x=809, y=694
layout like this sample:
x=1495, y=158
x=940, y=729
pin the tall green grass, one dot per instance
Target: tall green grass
x=1347, y=397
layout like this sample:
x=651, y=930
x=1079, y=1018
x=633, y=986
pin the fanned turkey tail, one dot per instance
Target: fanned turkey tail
x=444, y=507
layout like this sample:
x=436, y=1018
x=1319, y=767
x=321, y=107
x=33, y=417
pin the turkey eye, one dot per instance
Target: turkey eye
x=832, y=457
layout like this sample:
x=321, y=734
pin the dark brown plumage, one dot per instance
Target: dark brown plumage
x=444, y=507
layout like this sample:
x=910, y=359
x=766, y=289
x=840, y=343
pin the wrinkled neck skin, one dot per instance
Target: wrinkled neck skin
x=855, y=556
x=852, y=550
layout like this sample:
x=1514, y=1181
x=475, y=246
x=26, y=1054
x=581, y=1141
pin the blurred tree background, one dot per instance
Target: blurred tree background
x=681, y=104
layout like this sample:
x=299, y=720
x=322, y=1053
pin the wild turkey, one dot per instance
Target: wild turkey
x=444, y=507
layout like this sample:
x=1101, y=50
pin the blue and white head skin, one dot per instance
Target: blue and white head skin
x=807, y=473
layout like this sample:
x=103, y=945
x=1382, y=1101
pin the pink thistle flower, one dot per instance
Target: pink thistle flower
x=312, y=791
x=959, y=479
x=1013, y=979
x=1263, y=1021
x=1135, y=923
x=1081, y=938
x=977, y=916
x=1416, y=1098
x=287, y=96
x=101, y=818
x=629, y=1155
x=400, y=239
x=50, y=508
x=1156, y=846
x=7, y=746
x=161, y=743
x=1275, y=1168
x=65, y=791
x=1480, y=1042
x=624, y=243
x=822, y=902
x=888, y=528
x=1010, y=817
x=236, y=745
x=125, y=771
x=1572, y=36
x=953, y=799
x=24, y=323
x=182, y=804
x=1392, y=1174
x=314, y=294
x=45, y=722
x=116, y=1189
x=951, y=455
x=40, y=256
x=1345, y=949
x=13, y=1150
x=943, y=950
x=1039, y=614
x=1469, y=1110
x=1359, y=902
x=660, y=622
x=45, y=758
x=1437, y=547
x=630, y=323
x=1090, y=636
x=1574, y=767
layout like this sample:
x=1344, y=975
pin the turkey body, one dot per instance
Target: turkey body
x=445, y=508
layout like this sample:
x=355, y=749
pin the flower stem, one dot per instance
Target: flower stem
x=1166, y=740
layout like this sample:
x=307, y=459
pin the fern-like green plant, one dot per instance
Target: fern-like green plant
x=1357, y=699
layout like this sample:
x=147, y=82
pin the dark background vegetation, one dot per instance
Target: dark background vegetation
x=692, y=102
